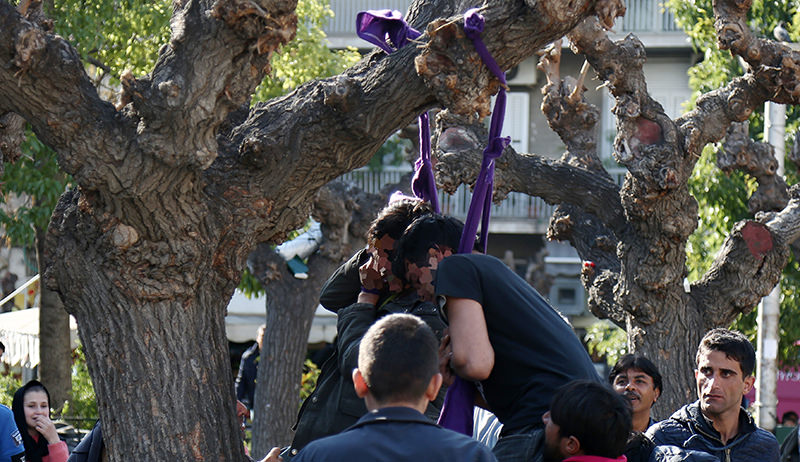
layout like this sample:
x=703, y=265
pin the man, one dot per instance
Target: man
x=716, y=423
x=586, y=422
x=11, y=447
x=360, y=292
x=503, y=334
x=248, y=371
x=637, y=379
x=397, y=376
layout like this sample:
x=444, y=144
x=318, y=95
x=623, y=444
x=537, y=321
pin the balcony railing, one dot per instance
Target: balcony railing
x=532, y=213
x=641, y=15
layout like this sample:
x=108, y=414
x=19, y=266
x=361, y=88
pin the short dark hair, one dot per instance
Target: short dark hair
x=2, y=347
x=631, y=361
x=789, y=415
x=731, y=342
x=425, y=233
x=393, y=219
x=397, y=358
x=594, y=414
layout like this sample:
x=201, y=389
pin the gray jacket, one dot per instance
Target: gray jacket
x=688, y=429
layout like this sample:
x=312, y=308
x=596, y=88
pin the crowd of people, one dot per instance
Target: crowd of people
x=413, y=317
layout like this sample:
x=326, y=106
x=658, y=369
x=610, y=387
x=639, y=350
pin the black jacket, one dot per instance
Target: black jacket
x=789, y=449
x=688, y=429
x=334, y=405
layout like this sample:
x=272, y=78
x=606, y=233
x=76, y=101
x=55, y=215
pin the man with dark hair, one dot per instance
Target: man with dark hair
x=397, y=376
x=503, y=334
x=637, y=379
x=587, y=421
x=361, y=291
x=716, y=423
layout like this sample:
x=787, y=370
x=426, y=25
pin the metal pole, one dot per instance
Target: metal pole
x=769, y=308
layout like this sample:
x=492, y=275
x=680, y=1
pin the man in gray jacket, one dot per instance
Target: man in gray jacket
x=716, y=423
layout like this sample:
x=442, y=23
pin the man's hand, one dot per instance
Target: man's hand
x=371, y=274
x=273, y=456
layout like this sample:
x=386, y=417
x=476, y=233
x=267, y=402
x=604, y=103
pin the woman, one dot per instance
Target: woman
x=31, y=406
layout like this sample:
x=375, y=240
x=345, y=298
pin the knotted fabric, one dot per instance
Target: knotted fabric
x=457, y=410
x=385, y=29
x=389, y=31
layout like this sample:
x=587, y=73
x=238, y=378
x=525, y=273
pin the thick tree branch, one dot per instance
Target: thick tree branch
x=218, y=53
x=62, y=107
x=782, y=62
x=758, y=160
x=12, y=134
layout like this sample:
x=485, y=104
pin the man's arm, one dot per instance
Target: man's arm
x=342, y=287
x=473, y=355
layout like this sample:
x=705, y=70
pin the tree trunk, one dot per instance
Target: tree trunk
x=291, y=304
x=55, y=352
x=344, y=213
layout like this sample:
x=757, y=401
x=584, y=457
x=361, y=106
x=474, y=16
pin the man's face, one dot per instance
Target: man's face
x=421, y=275
x=638, y=388
x=381, y=251
x=720, y=383
x=552, y=440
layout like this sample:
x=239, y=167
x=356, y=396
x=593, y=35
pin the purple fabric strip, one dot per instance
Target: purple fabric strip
x=458, y=403
x=424, y=183
x=385, y=29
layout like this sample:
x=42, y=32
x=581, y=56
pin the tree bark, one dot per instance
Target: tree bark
x=345, y=214
x=55, y=351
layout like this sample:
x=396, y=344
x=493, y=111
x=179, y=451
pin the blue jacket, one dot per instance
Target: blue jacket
x=11, y=448
x=395, y=434
x=688, y=429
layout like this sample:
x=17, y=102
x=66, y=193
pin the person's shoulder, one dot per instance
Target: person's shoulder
x=670, y=430
x=767, y=438
x=463, y=445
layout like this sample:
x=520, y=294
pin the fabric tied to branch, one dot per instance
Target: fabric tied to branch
x=389, y=31
x=457, y=410
x=385, y=29
x=424, y=184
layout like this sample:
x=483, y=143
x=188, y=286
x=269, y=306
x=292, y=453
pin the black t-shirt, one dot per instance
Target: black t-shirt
x=535, y=349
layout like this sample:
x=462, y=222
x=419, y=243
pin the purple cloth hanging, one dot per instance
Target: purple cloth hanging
x=424, y=183
x=458, y=403
x=385, y=29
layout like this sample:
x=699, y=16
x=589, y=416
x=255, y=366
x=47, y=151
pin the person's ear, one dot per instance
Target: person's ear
x=657, y=395
x=360, y=384
x=433, y=386
x=749, y=381
x=570, y=446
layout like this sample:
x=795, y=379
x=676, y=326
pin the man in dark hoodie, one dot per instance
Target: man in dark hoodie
x=716, y=423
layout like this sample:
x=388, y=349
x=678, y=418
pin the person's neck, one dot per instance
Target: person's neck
x=372, y=405
x=641, y=420
x=726, y=424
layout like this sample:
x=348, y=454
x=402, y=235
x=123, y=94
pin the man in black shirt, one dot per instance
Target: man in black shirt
x=503, y=334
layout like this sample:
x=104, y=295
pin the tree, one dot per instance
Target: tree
x=178, y=185
x=633, y=238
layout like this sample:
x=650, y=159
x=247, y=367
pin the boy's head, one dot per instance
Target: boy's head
x=398, y=362
x=586, y=418
x=425, y=243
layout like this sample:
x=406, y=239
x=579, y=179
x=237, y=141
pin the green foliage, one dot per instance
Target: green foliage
x=390, y=153
x=9, y=384
x=116, y=35
x=82, y=406
x=306, y=57
x=606, y=341
x=722, y=199
x=309, y=379
x=35, y=177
